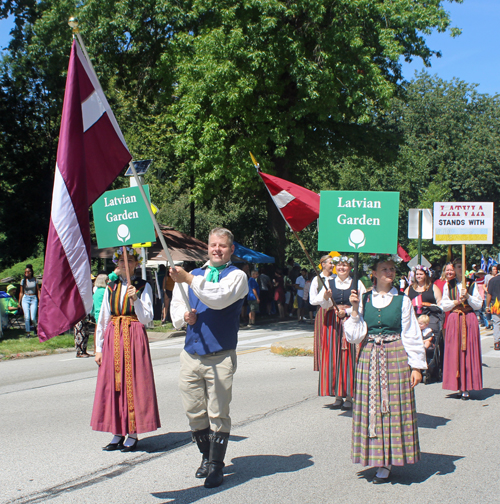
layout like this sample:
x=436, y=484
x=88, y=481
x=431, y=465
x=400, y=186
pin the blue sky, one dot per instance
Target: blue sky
x=471, y=57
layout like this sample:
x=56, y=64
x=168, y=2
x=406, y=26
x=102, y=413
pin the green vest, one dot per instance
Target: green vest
x=383, y=320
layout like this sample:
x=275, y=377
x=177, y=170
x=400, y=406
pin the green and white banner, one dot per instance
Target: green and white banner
x=359, y=221
x=122, y=218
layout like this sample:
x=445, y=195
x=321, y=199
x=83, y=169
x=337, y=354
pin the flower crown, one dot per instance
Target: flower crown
x=420, y=267
x=376, y=258
x=343, y=259
x=130, y=251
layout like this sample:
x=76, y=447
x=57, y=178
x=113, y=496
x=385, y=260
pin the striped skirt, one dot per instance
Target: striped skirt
x=396, y=440
x=335, y=359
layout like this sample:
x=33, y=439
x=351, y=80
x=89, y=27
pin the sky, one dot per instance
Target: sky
x=471, y=57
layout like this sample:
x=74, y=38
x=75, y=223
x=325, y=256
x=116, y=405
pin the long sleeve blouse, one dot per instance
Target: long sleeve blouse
x=316, y=294
x=143, y=307
x=216, y=296
x=355, y=328
x=447, y=304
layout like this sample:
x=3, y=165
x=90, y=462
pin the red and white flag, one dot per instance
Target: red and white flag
x=91, y=154
x=298, y=206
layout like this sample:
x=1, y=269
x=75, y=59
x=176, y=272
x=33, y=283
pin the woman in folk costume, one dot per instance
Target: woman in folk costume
x=462, y=366
x=390, y=363
x=336, y=357
x=125, y=399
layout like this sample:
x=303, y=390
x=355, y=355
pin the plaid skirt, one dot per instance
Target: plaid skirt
x=396, y=440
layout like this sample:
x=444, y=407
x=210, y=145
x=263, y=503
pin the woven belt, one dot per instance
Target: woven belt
x=377, y=357
x=124, y=321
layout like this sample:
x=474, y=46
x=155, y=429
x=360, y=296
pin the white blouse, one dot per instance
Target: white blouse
x=316, y=296
x=143, y=308
x=448, y=304
x=355, y=328
x=216, y=296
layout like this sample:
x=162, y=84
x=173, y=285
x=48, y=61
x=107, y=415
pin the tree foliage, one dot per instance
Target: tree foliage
x=306, y=85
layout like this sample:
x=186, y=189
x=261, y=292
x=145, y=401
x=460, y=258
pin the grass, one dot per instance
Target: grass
x=14, y=342
x=294, y=352
x=168, y=327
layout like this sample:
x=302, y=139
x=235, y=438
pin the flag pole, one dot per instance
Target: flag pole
x=73, y=23
x=318, y=276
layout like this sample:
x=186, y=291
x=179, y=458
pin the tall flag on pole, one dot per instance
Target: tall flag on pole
x=91, y=154
x=298, y=206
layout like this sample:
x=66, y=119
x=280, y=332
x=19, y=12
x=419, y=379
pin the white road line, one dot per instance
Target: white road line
x=495, y=354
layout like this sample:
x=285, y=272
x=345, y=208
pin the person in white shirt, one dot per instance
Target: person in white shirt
x=337, y=358
x=390, y=364
x=300, y=283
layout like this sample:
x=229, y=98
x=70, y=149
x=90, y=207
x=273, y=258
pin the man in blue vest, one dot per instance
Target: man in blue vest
x=208, y=361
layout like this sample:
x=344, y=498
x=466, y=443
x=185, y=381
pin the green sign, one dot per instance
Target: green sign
x=359, y=221
x=122, y=218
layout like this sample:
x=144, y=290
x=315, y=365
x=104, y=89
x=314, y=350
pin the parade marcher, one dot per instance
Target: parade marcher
x=125, y=399
x=208, y=361
x=493, y=307
x=423, y=293
x=390, y=364
x=336, y=357
x=462, y=366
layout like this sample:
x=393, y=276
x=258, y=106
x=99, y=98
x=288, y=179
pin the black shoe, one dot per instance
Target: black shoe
x=114, y=446
x=218, y=446
x=202, y=439
x=203, y=470
x=378, y=481
x=131, y=448
x=337, y=404
x=346, y=406
x=215, y=474
x=465, y=396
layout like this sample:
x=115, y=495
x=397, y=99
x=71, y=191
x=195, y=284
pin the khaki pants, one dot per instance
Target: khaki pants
x=206, y=383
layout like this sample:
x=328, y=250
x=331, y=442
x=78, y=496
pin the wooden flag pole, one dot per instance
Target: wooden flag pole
x=463, y=266
x=125, y=258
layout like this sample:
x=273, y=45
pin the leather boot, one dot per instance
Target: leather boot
x=202, y=440
x=218, y=446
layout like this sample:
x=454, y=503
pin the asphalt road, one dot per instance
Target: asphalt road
x=286, y=445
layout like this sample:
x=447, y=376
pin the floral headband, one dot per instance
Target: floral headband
x=343, y=259
x=376, y=258
x=420, y=267
x=130, y=251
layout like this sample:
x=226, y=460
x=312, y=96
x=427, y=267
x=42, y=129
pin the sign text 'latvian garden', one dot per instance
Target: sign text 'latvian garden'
x=359, y=221
x=122, y=218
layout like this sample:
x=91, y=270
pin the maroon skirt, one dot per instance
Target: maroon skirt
x=462, y=370
x=112, y=411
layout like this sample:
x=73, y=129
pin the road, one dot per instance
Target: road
x=286, y=444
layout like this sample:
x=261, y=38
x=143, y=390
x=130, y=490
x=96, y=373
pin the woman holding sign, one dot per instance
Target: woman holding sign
x=390, y=364
x=462, y=366
x=336, y=357
x=125, y=399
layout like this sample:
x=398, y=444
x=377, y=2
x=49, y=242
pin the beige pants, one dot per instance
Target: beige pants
x=206, y=383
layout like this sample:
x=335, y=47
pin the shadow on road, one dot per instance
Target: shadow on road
x=170, y=441
x=430, y=421
x=430, y=464
x=241, y=470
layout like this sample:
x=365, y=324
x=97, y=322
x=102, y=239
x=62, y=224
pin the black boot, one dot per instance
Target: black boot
x=218, y=446
x=202, y=440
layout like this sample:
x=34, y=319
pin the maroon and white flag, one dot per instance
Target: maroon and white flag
x=298, y=206
x=91, y=154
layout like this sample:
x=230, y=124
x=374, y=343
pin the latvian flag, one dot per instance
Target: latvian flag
x=91, y=154
x=298, y=206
